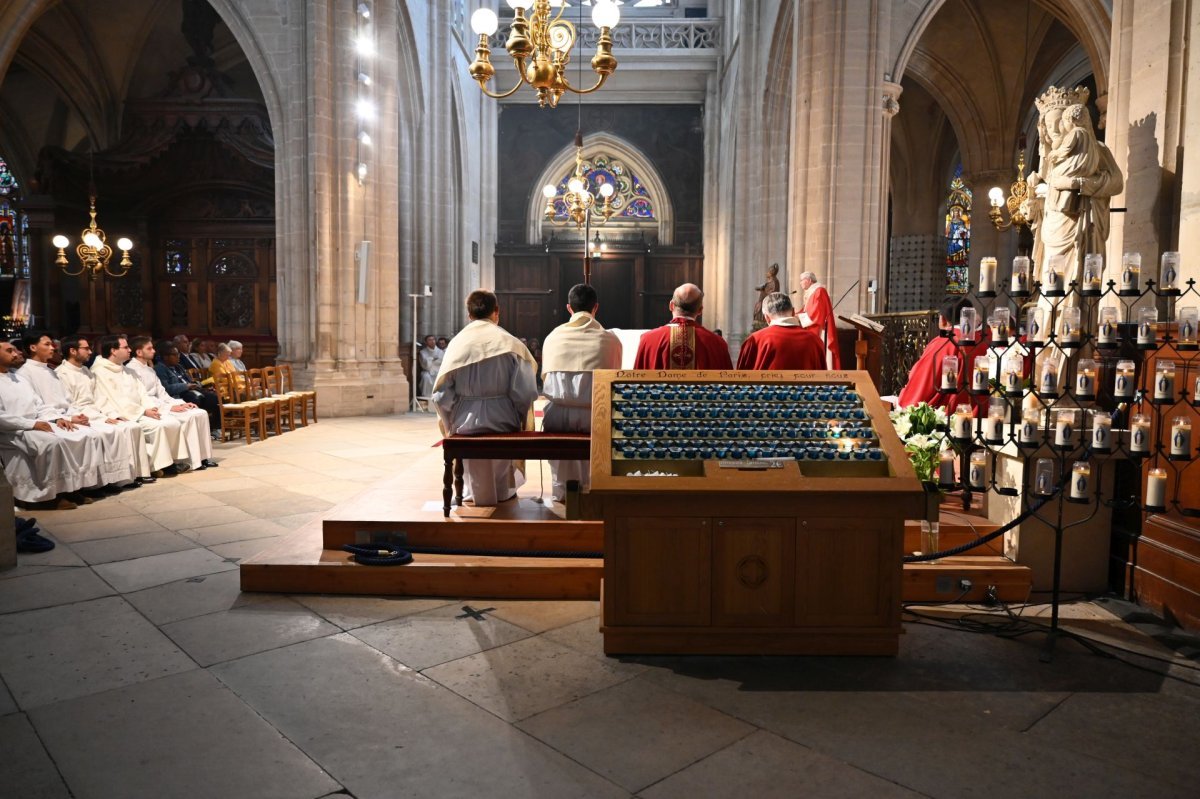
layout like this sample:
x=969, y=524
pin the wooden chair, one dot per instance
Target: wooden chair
x=258, y=390
x=238, y=409
x=289, y=404
x=304, y=398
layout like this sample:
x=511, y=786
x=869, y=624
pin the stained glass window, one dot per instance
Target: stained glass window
x=631, y=201
x=14, y=227
x=958, y=235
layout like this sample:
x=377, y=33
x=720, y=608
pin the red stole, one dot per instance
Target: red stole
x=682, y=344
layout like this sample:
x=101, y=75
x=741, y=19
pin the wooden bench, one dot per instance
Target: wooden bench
x=525, y=445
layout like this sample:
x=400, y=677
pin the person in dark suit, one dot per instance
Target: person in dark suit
x=178, y=383
x=188, y=361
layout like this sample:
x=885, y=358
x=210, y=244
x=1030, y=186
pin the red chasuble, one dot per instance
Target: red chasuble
x=782, y=347
x=926, y=375
x=682, y=344
x=820, y=311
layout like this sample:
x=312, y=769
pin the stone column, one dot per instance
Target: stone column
x=890, y=107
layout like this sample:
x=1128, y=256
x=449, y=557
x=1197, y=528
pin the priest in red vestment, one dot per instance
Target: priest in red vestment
x=682, y=343
x=783, y=343
x=925, y=376
x=818, y=315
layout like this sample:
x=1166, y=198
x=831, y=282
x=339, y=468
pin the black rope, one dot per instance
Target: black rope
x=378, y=554
x=958, y=550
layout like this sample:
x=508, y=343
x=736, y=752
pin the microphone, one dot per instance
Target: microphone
x=852, y=285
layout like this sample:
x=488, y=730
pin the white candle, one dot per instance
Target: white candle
x=1064, y=429
x=1188, y=318
x=1147, y=319
x=1020, y=275
x=1012, y=377
x=1070, y=326
x=978, y=471
x=1101, y=431
x=1131, y=270
x=1030, y=421
x=946, y=468
x=1043, y=477
x=968, y=320
x=1107, y=333
x=979, y=375
x=1036, y=325
x=1139, y=434
x=961, y=423
x=987, y=275
x=1093, y=268
x=1085, y=378
x=1081, y=474
x=1049, y=381
x=1164, y=381
x=1123, y=382
x=1169, y=272
x=1054, y=275
x=1156, y=488
x=1181, y=437
x=993, y=426
x=949, y=373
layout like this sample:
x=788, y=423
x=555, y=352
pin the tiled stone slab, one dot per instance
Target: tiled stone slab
x=194, y=596
x=425, y=741
x=108, y=509
x=288, y=506
x=180, y=504
x=233, y=483
x=247, y=629
x=351, y=612
x=635, y=734
x=179, y=520
x=103, y=528
x=235, y=531
x=61, y=653
x=538, y=616
x=436, y=636
x=240, y=550
x=296, y=520
x=7, y=705
x=180, y=736
x=58, y=587
x=517, y=680
x=134, y=575
x=765, y=766
x=61, y=555
x=26, y=771
x=127, y=547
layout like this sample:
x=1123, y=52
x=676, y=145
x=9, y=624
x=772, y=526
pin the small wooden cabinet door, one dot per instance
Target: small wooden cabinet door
x=657, y=571
x=753, y=572
x=847, y=574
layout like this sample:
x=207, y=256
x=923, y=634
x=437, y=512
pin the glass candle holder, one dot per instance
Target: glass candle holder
x=998, y=322
x=1164, y=381
x=1064, y=428
x=1093, y=272
x=1043, y=477
x=1188, y=318
x=960, y=422
x=1085, y=378
x=949, y=380
x=1107, y=328
x=993, y=425
x=1139, y=434
x=1019, y=283
x=1035, y=326
x=987, y=275
x=1081, y=479
x=1048, y=379
x=1196, y=392
x=979, y=374
x=1168, y=273
x=1031, y=422
x=1101, y=431
x=1156, y=488
x=977, y=472
x=1070, y=330
x=1052, y=277
x=968, y=324
x=1131, y=273
x=946, y=467
x=1147, y=333
x=1123, y=381
x=1011, y=372
x=1181, y=437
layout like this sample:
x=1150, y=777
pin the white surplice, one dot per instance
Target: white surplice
x=120, y=393
x=80, y=386
x=430, y=361
x=40, y=465
x=118, y=465
x=489, y=396
x=195, y=433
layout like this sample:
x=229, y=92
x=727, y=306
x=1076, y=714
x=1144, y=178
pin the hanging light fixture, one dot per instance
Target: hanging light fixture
x=1018, y=192
x=581, y=204
x=540, y=47
x=93, y=250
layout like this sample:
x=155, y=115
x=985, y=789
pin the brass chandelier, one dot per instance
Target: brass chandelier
x=1018, y=192
x=93, y=250
x=581, y=204
x=540, y=46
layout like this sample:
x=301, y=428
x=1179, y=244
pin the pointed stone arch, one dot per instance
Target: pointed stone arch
x=642, y=166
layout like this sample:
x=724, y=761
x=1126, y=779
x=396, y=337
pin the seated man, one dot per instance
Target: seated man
x=180, y=385
x=486, y=386
x=925, y=376
x=194, y=432
x=783, y=343
x=118, y=467
x=682, y=343
x=44, y=455
x=80, y=385
x=429, y=357
x=572, y=351
x=122, y=395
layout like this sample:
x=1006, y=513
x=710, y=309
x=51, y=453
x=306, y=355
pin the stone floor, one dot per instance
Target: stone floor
x=133, y=667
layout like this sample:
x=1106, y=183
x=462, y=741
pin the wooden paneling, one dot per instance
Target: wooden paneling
x=753, y=561
x=664, y=563
x=844, y=572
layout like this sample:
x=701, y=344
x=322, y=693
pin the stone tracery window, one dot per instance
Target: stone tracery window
x=631, y=199
x=958, y=235
x=14, y=227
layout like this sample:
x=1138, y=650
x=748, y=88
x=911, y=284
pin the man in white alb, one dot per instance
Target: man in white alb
x=195, y=432
x=570, y=354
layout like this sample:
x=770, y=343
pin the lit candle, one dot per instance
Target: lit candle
x=1070, y=325
x=1011, y=373
x=1123, y=382
x=978, y=471
x=1107, y=333
x=1085, y=378
x=1164, y=380
x=1181, y=437
x=1081, y=474
x=950, y=373
x=968, y=323
x=1048, y=384
x=987, y=275
x=1146, y=332
x=1093, y=268
x=1139, y=434
x=1035, y=329
x=1020, y=275
x=1156, y=488
x=946, y=468
x=1031, y=419
x=979, y=375
x=993, y=426
x=1055, y=266
x=960, y=423
x=1188, y=318
x=1101, y=431
x=1196, y=392
x=1064, y=427
x=999, y=324
x=1169, y=272
x=1043, y=477
x=1131, y=271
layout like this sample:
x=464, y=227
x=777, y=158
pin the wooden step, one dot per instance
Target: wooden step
x=939, y=582
x=956, y=533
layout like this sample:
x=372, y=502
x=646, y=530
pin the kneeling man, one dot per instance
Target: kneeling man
x=783, y=343
x=486, y=385
x=570, y=354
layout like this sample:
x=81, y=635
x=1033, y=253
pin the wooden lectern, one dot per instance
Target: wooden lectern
x=868, y=351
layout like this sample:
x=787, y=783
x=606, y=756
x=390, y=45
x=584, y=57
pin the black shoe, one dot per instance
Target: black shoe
x=31, y=542
x=208, y=463
x=144, y=480
x=26, y=524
